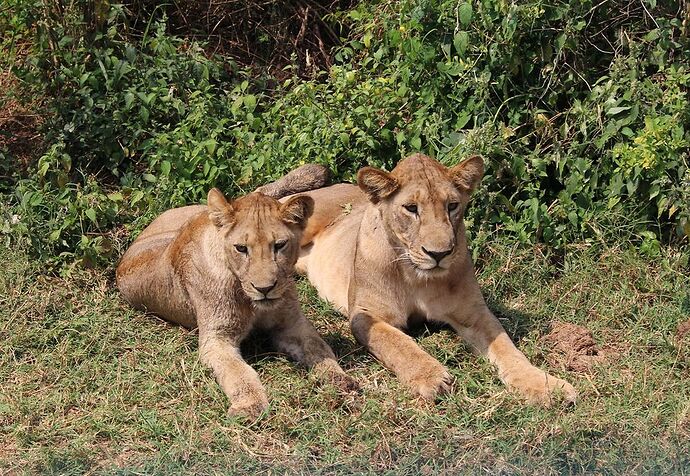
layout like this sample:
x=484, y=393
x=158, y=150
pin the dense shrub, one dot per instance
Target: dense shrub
x=580, y=108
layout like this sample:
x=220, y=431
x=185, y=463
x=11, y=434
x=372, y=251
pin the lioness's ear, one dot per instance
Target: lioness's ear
x=468, y=174
x=219, y=210
x=376, y=183
x=297, y=210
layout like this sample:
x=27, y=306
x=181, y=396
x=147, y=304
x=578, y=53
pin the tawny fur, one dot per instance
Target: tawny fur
x=221, y=268
x=364, y=251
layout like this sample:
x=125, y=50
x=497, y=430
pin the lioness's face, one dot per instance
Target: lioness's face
x=260, y=239
x=422, y=205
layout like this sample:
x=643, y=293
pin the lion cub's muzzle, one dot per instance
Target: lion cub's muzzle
x=264, y=293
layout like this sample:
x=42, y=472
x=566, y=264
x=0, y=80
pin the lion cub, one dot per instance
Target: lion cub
x=227, y=268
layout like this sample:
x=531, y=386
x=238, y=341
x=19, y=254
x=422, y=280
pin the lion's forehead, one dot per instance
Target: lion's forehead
x=424, y=180
x=418, y=165
x=261, y=231
x=260, y=226
x=424, y=191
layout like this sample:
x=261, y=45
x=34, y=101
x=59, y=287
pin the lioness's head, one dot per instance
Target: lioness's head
x=421, y=204
x=260, y=238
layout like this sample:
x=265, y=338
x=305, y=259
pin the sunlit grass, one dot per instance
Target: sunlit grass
x=90, y=385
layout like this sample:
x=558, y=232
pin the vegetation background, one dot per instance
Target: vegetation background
x=111, y=113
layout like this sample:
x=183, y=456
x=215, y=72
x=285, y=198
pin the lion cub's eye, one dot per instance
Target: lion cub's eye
x=411, y=207
x=452, y=206
x=241, y=249
x=279, y=245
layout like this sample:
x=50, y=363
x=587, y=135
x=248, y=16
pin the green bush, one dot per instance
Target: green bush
x=134, y=129
x=580, y=108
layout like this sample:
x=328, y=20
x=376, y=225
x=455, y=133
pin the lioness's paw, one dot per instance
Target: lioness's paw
x=432, y=383
x=538, y=387
x=248, y=410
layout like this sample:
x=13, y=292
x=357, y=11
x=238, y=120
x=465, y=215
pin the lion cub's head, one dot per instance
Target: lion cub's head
x=422, y=203
x=260, y=238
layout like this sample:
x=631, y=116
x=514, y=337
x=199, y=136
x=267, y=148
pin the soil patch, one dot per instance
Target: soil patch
x=573, y=347
x=683, y=330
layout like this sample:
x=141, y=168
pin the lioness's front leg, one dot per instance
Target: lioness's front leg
x=238, y=380
x=399, y=353
x=298, y=338
x=486, y=334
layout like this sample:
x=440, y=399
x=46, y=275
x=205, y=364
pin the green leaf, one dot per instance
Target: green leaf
x=460, y=41
x=149, y=178
x=211, y=146
x=367, y=39
x=465, y=13
x=617, y=110
x=416, y=143
x=250, y=102
x=129, y=98
x=91, y=214
x=165, y=167
x=136, y=196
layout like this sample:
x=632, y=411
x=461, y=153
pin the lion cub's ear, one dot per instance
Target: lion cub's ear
x=220, y=212
x=468, y=174
x=376, y=183
x=297, y=210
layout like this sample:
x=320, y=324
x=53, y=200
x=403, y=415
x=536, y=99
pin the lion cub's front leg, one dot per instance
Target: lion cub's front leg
x=238, y=380
x=297, y=337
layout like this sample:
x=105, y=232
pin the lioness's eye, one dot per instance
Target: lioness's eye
x=241, y=248
x=452, y=206
x=411, y=207
x=279, y=245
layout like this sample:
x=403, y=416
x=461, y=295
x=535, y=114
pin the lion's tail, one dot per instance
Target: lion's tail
x=302, y=179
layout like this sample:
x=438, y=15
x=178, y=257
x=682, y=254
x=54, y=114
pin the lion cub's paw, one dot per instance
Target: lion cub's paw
x=344, y=382
x=329, y=371
x=249, y=410
x=432, y=383
x=538, y=387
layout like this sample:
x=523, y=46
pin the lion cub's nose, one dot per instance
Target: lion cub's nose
x=264, y=289
x=438, y=255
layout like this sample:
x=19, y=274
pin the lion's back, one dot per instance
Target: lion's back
x=145, y=273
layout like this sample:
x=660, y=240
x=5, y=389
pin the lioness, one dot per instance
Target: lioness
x=227, y=268
x=394, y=250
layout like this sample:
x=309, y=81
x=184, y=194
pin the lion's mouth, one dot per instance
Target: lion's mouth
x=265, y=301
x=427, y=272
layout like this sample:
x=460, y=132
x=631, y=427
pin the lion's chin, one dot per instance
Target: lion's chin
x=426, y=273
x=265, y=302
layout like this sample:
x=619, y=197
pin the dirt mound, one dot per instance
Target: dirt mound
x=572, y=346
x=683, y=330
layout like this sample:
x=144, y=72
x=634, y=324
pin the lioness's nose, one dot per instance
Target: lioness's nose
x=264, y=289
x=438, y=255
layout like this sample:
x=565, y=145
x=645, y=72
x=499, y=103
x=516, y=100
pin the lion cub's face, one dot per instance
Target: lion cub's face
x=422, y=204
x=260, y=239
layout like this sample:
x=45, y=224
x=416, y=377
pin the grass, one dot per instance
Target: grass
x=91, y=386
